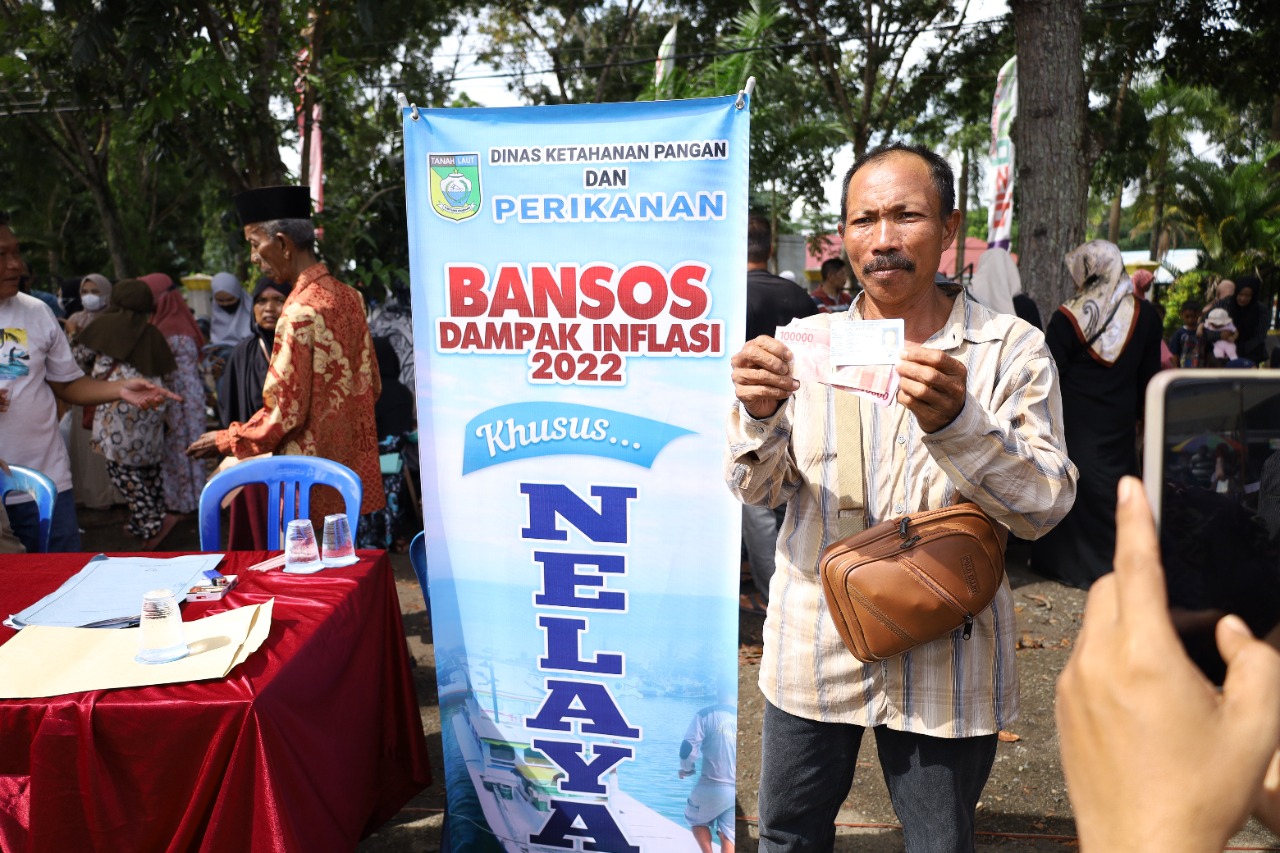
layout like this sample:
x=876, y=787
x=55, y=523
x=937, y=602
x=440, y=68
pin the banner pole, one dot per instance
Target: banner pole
x=745, y=92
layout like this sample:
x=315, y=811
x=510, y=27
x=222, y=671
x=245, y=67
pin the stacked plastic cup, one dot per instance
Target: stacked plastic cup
x=160, y=629
x=338, y=549
x=301, y=553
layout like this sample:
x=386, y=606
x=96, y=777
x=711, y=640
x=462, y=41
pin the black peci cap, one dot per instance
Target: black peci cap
x=270, y=203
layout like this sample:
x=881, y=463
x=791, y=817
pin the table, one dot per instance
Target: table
x=309, y=745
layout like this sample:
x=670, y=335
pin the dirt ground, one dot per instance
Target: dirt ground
x=1024, y=808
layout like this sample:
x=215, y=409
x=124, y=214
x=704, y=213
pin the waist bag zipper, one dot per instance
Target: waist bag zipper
x=942, y=593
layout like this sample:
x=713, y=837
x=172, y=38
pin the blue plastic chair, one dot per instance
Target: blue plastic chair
x=41, y=488
x=288, y=480
x=418, y=557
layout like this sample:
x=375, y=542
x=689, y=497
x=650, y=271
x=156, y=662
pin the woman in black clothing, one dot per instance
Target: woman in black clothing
x=1106, y=343
x=240, y=397
x=1249, y=317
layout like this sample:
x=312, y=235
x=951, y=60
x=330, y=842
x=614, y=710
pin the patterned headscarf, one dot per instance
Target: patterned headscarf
x=1104, y=309
x=172, y=317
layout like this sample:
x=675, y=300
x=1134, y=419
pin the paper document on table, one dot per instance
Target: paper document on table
x=811, y=348
x=108, y=591
x=44, y=661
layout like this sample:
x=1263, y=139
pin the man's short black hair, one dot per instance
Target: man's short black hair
x=1191, y=305
x=944, y=180
x=759, y=239
x=830, y=265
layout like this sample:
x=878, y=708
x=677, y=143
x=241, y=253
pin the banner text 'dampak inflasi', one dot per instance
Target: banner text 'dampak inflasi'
x=578, y=277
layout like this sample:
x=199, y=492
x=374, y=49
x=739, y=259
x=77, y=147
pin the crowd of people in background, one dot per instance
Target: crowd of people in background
x=141, y=394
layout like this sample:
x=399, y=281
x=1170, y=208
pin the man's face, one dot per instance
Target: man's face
x=12, y=269
x=267, y=251
x=893, y=231
x=835, y=280
x=267, y=308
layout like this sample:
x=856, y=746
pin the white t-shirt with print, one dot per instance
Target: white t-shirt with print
x=33, y=349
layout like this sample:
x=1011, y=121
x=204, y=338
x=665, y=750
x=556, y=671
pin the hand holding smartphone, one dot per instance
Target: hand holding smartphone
x=1211, y=467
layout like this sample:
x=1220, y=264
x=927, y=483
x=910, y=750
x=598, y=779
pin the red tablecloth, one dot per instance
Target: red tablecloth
x=309, y=745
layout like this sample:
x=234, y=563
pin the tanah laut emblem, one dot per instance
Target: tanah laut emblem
x=455, y=185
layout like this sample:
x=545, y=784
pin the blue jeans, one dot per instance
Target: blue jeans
x=64, y=533
x=807, y=769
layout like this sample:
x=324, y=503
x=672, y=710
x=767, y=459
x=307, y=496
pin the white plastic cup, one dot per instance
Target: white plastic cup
x=301, y=553
x=160, y=629
x=337, y=547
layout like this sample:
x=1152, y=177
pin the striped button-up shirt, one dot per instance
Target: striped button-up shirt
x=1004, y=451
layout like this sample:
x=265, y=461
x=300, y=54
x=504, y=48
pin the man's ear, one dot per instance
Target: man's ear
x=949, y=228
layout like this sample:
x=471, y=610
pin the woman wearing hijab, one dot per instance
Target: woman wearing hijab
x=183, y=477
x=91, y=484
x=997, y=285
x=232, y=318
x=1249, y=317
x=240, y=398
x=95, y=295
x=1106, y=343
x=122, y=344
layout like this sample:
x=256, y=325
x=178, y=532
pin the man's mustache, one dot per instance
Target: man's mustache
x=890, y=261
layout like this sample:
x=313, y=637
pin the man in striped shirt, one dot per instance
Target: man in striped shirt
x=976, y=418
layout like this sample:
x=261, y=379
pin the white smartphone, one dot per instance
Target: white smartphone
x=1211, y=468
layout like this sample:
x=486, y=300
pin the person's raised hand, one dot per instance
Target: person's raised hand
x=1155, y=757
x=144, y=394
x=762, y=376
x=931, y=384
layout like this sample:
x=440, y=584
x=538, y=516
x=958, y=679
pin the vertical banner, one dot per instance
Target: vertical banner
x=1003, y=110
x=666, y=62
x=579, y=279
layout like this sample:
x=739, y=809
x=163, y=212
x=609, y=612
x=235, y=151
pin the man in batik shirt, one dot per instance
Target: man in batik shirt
x=322, y=380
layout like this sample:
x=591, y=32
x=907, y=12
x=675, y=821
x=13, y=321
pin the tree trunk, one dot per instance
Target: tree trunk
x=1048, y=135
x=306, y=107
x=262, y=164
x=1157, y=210
x=1113, y=224
x=90, y=165
x=962, y=196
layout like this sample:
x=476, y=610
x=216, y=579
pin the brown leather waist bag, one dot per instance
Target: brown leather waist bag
x=913, y=579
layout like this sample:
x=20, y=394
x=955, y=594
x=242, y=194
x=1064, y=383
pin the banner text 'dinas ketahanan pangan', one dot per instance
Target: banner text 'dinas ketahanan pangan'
x=579, y=322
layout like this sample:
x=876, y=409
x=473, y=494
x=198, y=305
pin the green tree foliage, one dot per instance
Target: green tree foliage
x=1229, y=46
x=1235, y=210
x=156, y=113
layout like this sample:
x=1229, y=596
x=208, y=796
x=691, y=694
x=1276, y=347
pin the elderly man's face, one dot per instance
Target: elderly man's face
x=12, y=269
x=268, y=252
x=893, y=231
